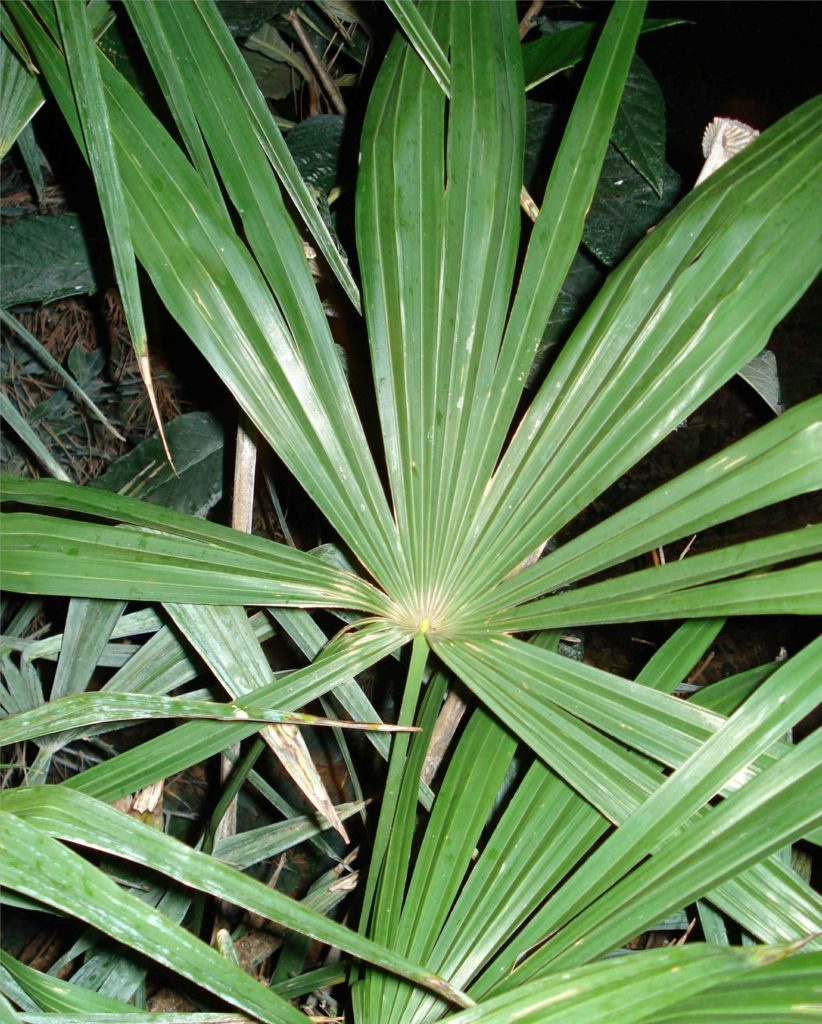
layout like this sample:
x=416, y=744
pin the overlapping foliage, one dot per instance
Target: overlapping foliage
x=614, y=823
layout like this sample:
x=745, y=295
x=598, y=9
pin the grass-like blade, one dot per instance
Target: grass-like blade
x=67, y=882
x=80, y=819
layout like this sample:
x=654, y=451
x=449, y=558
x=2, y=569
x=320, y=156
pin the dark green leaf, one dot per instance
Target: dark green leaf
x=563, y=47
x=243, y=16
x=540, y=119
x=275, y=79
x=315, y=145
x=626, y=207
x=639, y=128
x=194, y=486
x=45, y=258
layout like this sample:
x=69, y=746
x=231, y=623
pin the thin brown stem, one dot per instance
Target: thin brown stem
x=533, y=10
x=449, y=718
x=320, y=70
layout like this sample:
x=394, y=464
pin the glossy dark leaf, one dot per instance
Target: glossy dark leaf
x=639, y=128
x=315, y=145
x=626, y=207
x=194, y=486
x=45, y=258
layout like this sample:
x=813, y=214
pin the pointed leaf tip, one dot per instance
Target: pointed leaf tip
x=145, y=373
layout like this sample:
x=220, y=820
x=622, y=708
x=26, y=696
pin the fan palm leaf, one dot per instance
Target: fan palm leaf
x=472, y=477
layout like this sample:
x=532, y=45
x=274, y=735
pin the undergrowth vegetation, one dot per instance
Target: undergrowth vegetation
x=523, y=816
